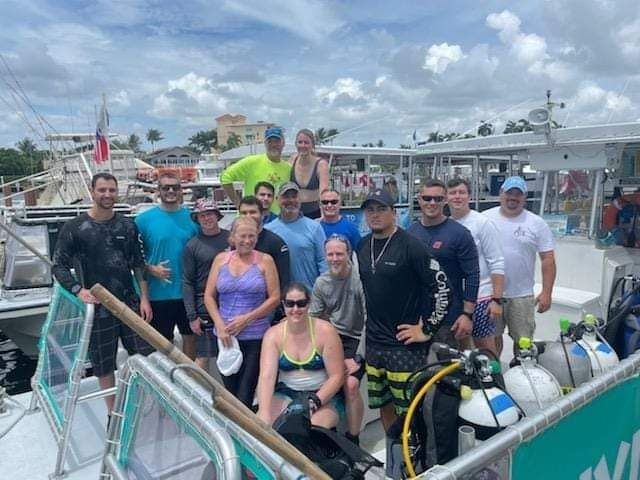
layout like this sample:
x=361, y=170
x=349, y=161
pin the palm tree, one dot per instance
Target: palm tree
x=133, y=142
x=380, y=144
x=434, y=137
x=233, y=141
x=26, y=146
x=485, y=129
x=323, y=135
x=154, y=136
x=204, y=141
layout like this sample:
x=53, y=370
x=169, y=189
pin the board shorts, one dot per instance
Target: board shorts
x=103, y=344
x=350, y=347
x=483, y=325
x=388, y=369
x=167, y=314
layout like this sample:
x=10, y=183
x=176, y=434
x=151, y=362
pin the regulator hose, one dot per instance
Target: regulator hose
x=412, y=408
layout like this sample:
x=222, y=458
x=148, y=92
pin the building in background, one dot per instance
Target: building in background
x=248, y=133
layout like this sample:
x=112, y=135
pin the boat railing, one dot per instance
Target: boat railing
x=591, y=433
x=164, y=426
x=59, y=388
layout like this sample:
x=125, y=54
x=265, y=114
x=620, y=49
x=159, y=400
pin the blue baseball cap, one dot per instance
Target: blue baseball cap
x=273, y=132
x=514, y=182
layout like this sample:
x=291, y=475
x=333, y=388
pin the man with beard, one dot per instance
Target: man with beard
x=103, y=247
x=165, y=230
x=197, y=258
x=406, y=298
x=304, y=237
x=253, y=169
x=338, y=298
x=523, y=234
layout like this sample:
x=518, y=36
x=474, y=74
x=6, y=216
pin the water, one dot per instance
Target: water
x=16, y=369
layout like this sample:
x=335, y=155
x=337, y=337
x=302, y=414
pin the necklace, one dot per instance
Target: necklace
x=375, y=260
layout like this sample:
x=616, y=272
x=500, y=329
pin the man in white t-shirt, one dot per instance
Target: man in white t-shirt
x=523, y=234
x=488, y=309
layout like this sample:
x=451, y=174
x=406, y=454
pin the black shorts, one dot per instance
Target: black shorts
x=206, y=344
x=103, y=345
x=350, y=347
x=167, y=314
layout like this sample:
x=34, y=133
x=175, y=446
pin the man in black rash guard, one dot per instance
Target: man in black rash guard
x=452, y=245
x=406, y=299
x=197, y=257
x=104, y=247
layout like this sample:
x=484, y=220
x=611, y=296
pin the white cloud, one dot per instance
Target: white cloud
x=343, y=87
x=121, y=98
x=191, y=93
x=439, y=57
x=592, y=97
x=507, y=23
x=310, y=20
x=628, y=38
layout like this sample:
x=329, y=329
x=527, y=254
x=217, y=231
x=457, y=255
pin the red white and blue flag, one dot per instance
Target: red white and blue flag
x=101, y=153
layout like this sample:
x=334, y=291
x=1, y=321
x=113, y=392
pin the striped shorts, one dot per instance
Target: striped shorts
x=388, y=369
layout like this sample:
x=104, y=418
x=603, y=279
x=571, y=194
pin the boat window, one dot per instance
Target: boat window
x=569, y=202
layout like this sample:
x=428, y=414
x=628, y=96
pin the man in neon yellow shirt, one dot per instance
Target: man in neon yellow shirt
x=252, y=169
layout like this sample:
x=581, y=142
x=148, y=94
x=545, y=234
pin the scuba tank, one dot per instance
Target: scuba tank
x=600, y=353
x=565, y=359
x=484, y=405
x=531, y=385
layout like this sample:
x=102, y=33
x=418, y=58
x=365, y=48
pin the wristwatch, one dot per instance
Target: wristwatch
x=468, y=315
x=499, y=301
x=76, y=288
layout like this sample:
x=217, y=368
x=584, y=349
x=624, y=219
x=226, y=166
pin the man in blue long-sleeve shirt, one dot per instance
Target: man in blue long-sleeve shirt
x=452, y=245
x=304, y=237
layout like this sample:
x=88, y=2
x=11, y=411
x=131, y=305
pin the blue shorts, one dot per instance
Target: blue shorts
x=483, y=326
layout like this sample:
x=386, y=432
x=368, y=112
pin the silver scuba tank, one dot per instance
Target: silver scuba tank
x=567, y=360
x=600, y=353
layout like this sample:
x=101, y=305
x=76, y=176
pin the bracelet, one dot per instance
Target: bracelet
x=315, y=399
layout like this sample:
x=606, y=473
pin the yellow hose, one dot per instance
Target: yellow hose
x=412, y=407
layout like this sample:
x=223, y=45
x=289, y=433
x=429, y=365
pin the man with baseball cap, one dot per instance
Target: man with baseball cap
x=523, y=234
x=263, y=167
x=304, y=237
x=406, y=300
x=197, y=258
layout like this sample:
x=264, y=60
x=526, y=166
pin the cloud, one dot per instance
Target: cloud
x=310, y=20
x=192, y=94
x=342, y=89
x=507, y=24
x=440, y=56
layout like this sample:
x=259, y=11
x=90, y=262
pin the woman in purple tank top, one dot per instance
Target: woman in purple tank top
x=242, y=290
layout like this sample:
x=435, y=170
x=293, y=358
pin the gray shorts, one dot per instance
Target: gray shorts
x=518, y=315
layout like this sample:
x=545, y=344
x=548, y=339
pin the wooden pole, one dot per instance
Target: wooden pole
x=224, y=401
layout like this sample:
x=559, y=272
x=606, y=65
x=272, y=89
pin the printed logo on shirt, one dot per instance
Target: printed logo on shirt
x=434, y=265
x=437, y=244
x=284, y=248
x=120, y=237
x=391, y=264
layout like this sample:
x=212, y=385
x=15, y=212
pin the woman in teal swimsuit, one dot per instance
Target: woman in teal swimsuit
x=301, y=358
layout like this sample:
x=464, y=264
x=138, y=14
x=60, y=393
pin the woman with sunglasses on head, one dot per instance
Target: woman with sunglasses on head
x=309, y=172
x=242, y=290
x=304, y=355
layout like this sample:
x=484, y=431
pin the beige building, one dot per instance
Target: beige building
x=248, y=132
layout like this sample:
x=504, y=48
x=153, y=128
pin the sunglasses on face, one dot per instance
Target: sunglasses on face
x=296, y=303
x=175, y=188
x=329, y=202
x=432, y=198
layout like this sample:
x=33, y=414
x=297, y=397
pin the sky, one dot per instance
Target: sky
x=372, y=69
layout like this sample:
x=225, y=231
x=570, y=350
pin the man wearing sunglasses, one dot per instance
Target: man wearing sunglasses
x=453, y=247
x=164, y=231
x=332, y=222
x=406, y=298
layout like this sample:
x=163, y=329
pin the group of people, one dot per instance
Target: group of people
x=295, y=285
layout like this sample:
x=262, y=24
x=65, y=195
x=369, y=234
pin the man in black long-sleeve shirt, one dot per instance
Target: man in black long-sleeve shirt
x=452, y=245
x=406, y=299
x=197, y=257
x=104, y=247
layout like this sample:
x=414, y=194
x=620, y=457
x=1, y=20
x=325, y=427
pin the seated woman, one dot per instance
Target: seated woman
x=309, y=172
x=242, y=290
x=305, y=356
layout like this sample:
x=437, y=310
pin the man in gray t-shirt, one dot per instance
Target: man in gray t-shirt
x=338, y=297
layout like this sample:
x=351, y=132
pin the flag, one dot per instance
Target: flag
x=101, y=153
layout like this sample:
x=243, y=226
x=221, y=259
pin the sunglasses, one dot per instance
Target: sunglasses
x=175, y=188
x=329, y=202
x=432, y=198
x=296, y=303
